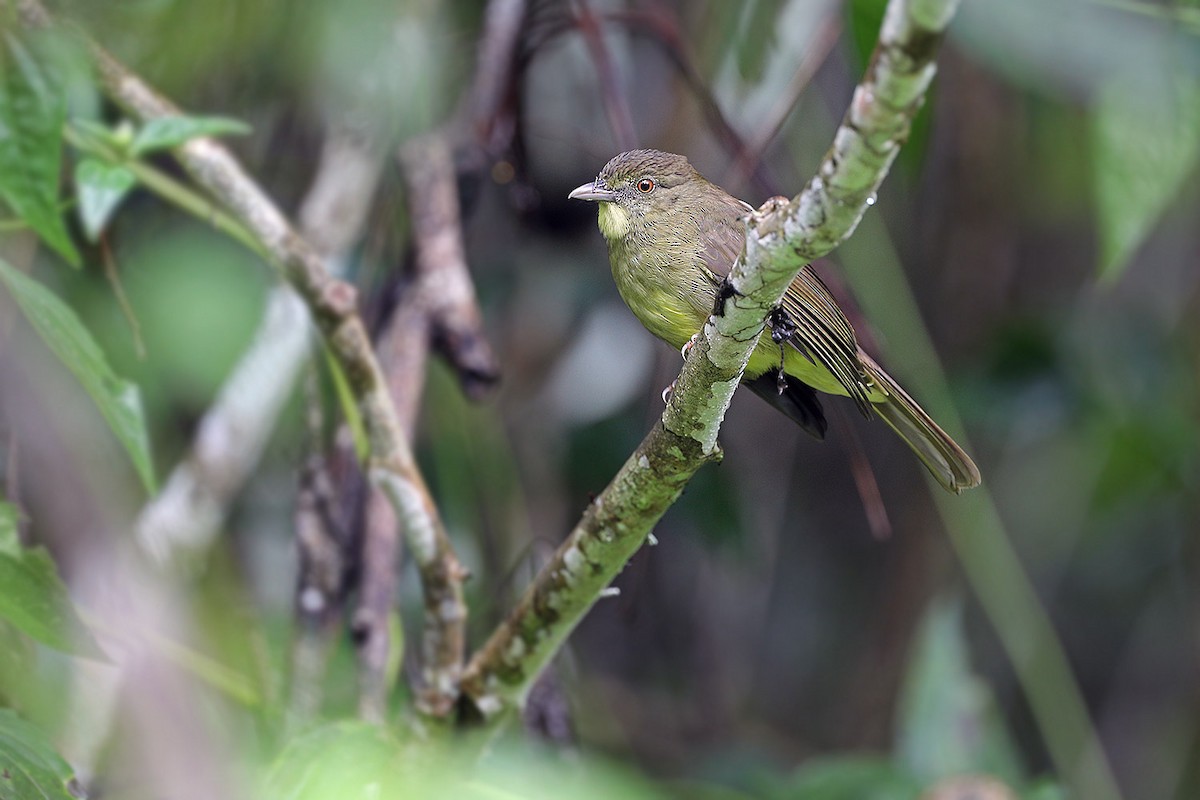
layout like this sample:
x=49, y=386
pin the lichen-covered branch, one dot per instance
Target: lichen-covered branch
x=333, y=307
x=781, y=237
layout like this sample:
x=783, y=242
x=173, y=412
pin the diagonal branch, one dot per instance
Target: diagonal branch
x=781, y=237
x=332, y=304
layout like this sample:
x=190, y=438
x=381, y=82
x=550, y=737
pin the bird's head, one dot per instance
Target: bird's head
x=639, y=186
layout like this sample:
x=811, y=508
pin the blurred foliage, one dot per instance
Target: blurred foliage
x=1042, y=218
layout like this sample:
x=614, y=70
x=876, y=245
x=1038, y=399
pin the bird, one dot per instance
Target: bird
x=673, y=237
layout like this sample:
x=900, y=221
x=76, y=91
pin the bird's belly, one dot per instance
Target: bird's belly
x=661, y=302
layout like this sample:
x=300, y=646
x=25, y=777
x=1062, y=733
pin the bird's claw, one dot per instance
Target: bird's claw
x=689, y=344
x=725, y=291
x=667, y=393
x=783, y=327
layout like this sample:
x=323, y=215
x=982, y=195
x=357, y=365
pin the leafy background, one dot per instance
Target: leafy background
x=1037, y=240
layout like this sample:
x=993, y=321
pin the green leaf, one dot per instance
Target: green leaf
x=32, y=112
x=1147, y=139
x=948, y=724
x=118, y=400
x=29, y=766
x=102, y=187
x=167, y=132
x=34, y=600
x=849, y=778
x=341, y=760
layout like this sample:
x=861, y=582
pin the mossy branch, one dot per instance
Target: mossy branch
x=781, y=237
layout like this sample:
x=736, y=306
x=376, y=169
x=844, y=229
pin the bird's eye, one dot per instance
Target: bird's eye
x=645, y=185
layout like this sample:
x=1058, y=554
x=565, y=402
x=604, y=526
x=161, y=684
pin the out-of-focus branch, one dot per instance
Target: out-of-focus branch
x=663, y=29
x=332, y=305
x=780, y=238
x=819, y=48
x=493, y=85
x=321, y=543
x=187, y=513
x=616, y=105
x=437, y=309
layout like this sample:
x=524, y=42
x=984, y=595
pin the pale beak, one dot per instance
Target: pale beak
x=593, y=191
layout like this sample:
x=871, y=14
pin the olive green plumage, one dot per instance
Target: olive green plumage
x=673, y=236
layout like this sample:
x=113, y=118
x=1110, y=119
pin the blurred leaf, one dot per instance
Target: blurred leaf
x=101, y=187
x=118, y=400
x=1147, y=139
x=343, y=761
x=167, y=132
x=948, y=724
x=1044, y=790
x=32, y=112
x=34, y=599
x=29, y=766
x=850, y=778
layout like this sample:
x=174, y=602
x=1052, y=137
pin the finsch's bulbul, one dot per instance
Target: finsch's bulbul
x=672, y=239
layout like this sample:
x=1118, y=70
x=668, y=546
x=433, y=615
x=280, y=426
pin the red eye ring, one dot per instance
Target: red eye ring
x=645, y=185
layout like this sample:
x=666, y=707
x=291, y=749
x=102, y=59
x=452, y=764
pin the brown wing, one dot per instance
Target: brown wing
x=823, y=334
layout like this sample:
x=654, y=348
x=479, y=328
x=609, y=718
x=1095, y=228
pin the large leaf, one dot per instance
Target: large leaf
x=34, y=599
x=343, y=760
x=850, y=778
x=948, y=724
x=33, y=109
x=29, y=766
x=167, y=132
x=1147, y=139
x=118, y=400
x=101, y=187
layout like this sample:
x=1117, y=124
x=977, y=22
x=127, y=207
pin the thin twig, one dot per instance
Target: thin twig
x=320, y=583
x=437, y=308
x=663, y=30
x=818, y=50
x=616, y=104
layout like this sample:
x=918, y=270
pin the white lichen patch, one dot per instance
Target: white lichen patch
x=489, y=704
x=515, y=650
x=410, y=502
x=573, y=560
x=712, y=413
x=643, y=462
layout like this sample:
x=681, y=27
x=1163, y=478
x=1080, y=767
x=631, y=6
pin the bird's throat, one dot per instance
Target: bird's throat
x=614, y=221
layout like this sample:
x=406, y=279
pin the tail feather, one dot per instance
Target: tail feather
x=952, y=467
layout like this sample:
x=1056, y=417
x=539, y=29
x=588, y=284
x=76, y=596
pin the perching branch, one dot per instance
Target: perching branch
x=332, y=304
x=781, y=237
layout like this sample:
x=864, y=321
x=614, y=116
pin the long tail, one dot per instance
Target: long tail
x=953, y=468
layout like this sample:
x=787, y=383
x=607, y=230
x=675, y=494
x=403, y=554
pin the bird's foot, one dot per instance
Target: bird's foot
x=725, y=291
x=783, y=327
x=689, y=344
x=781, y=383
x=667, y=393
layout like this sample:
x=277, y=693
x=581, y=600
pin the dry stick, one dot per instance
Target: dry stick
x=493, y=84
x=320, y=583
x=332, y=304
x=780, y=238
x=438, y=308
